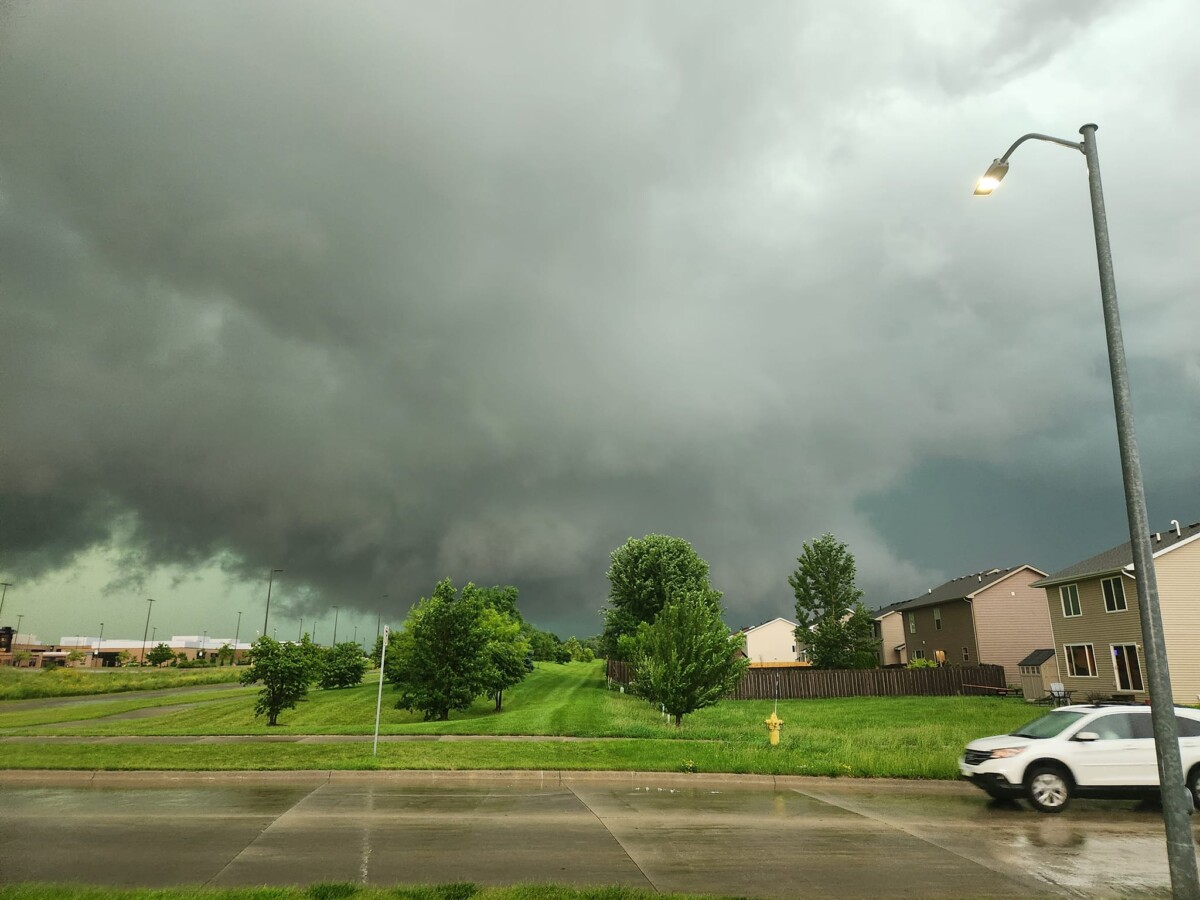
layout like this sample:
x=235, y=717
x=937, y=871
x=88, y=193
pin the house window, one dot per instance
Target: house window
x=1114, y=595
x=918, y=654
x=966, y=655
x=912, y=624
x=1081, y=660
x=1070, y=600
x=937, y=618
x=940, y=656
x=1128, y=667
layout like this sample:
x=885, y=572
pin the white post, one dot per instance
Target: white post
x=379, y=699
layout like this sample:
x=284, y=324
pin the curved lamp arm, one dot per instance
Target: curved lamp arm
x=999, y=167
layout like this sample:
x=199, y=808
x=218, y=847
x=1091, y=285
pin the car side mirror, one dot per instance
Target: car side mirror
x=1087, y=736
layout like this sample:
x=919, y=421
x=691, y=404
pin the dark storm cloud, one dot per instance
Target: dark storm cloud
x=387, y=292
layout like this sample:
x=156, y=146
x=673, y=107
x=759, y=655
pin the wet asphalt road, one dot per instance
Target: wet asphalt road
x=785, y=837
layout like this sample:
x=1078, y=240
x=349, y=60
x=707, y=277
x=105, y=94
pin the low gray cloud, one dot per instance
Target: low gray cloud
x=390, y=292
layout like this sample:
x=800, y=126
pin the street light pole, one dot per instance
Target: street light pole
x=4, y=586
x=1176, y=798
x=335, y=612
x=146, y=630
x=300, y=633
x=17, y=634
x=270, y=581
x=236, y=634
x=100, y=640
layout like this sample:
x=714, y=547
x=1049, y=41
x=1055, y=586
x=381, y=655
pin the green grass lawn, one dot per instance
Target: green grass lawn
x=338, y=891
x=27, y=684
x=905, y=737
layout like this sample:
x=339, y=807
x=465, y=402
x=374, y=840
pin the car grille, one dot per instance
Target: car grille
x=975, y=757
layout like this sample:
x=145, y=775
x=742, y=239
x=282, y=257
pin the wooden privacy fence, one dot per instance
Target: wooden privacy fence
x=805, y=683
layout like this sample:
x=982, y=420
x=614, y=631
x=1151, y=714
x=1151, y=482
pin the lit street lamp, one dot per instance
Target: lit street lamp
x=146, y=630
x=1176, y=798
x=270, y=582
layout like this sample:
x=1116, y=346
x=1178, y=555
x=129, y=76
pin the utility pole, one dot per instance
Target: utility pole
x=146, y=630
x=270, y=581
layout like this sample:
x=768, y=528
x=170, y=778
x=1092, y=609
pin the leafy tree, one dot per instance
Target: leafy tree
x=440, y=660
x=225, y=655
x=687, y=659
x=501, y=599
x=314, y=656
x=645, y=574
x=579, y=650
x=123, y=657
x=377, y=650
x=75, y=656
x=506, y=651
x=344, y=666
x=20, y=657
x=546, y=647
x=284, y=670
x=837, y=628
x=159, y=654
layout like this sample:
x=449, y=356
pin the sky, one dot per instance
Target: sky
x=387, y=292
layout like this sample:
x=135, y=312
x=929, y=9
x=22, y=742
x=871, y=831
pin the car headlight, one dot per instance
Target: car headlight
x=1006, y=752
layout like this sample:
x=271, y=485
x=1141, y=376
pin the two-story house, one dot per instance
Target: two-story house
x=889, y=631
x=773, y=643
x=1093, y=608
x=994, y=617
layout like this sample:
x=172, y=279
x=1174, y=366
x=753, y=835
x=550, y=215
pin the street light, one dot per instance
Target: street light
x=1176, y=798
x=378, y=618
x=236, y=634
x=4, y=586
x=300, y=633
x=270, y=581
x=17, y=634
x=100, y=640
x=335, y=611
x=146, y=630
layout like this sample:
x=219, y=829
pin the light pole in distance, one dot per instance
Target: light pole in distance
x=4, y=586
x=146, y=630
x=270, y=582
x=236, y=634
x=1176, y=798
x=335, y=612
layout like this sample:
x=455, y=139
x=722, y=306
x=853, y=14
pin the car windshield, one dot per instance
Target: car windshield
x=1050, y=725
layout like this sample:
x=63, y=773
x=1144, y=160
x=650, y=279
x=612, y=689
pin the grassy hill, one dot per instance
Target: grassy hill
x=915, y=737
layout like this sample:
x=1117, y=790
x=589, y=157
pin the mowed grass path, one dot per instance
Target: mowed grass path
x=28, y=684
x=905, y=737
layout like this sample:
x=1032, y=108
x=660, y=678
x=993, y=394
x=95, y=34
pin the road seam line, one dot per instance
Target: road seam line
x=654, y=887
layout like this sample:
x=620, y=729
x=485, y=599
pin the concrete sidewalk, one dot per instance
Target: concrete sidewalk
x=756, y=836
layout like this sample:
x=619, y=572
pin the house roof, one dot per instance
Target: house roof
x=1120, y=557
x=750, y=628
x=1036, y=658
x=964, y=587
x=888, y=610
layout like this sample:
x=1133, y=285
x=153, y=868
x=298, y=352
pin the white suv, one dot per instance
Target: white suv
x=1080, y=751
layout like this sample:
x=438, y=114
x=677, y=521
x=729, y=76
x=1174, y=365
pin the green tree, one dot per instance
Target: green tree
x=225, y=655
x=377, y=650
x=159, y=654
x=283, y=670
x=646, y=573
x=579, y=650
x=836, y=627
x=439, y=660
x=314, y=658
x=344, y=666
x=546, y=647
x=506, y=651
x=687, y=659
x=75, y=656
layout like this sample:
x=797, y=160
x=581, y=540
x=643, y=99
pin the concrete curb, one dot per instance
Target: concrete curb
x=676, y=780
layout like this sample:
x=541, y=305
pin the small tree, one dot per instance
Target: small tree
x=159, y=654
x=315, y=657
x=687, y=659
x=75, y=656
x=578, y=650
x=225, y=655
x=344, y=666
x=647, y=573
x=837, y=628
x=123, y=657
x=377, y=650
x=20, y=657
x=283, y=670
x=506, y=651
x=440, y=660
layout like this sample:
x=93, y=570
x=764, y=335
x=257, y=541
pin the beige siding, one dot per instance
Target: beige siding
x=1178, y=575
x=891, y=629
x=1099, y=628
x=1011, y=621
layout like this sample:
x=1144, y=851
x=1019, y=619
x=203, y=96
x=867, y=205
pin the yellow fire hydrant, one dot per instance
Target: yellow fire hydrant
x=773, y=724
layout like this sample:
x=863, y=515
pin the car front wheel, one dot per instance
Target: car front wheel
x=1194, y=786
x=1049, y=789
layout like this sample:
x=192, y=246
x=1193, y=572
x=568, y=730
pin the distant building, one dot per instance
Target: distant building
x=773, y=643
